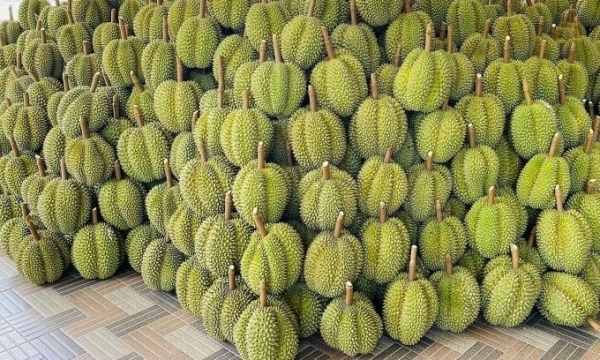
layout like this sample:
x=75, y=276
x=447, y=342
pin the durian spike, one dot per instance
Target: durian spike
x=541, y=24
x=26, y=99
x=8, y=102
x=388, y=155
x=202, y=11
x=553, y=32
x=202, y=151
x=165, y=29
x=571, y=57
x=412, y=264
x=311, y=8
x=64, y=175
x=428, y=37
x=349, y=293
x=374, y=89
x=593, y=323
x=122, y=28
x=471, y=132
x=589, y=188
x=95, y=82
x=32, y=229
x=558, y=196
x=85, y=131
x=448, y=264
x=439, y=215
x=542, y=53
x=450, y=40
x=478, y=85
x=136, y=82
x=562, y=91
x=554, y=145
x=86, y=47
x=444, y=31
x=382, y=212
x=531, y=239
x=326, y=168
x=507, y=49
x=289, y=157
x=589, y=141
x=339, y=222
x=509, y=10
x=179, y=70
x=118, y=174
x=491, y=195
x=328, y=45
x=514, y=252
x=114, y=16
x=260, y=225
x=261, y=155
x=33, y=75
x=246, y=99
x=262, y=51
x=39, y=161
x=527, y=92
x=398, y=56
x=263, y=292
x=406, y=8
x=115, y=107
x=194, y=119
x=277, y=49
x=13, y=146
x=24, y=211
x=228, y=205
x=138, y=116
x=231, y=277
x=95, y=216
x=10, y=13
x=168, y=174
x=429, y=163
x=591, y=110
x=312, y=98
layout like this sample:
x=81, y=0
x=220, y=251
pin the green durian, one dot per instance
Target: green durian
x=191, y=283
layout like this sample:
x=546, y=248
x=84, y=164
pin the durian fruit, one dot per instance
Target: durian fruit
x=29, y=11
x=386, y=244
x=8, y=52
x=198, y=39
x=70, y=37
x=386, y=74
x=42, y=257
x=147, y=23
x=568, y=300
x=115, y=126
x=18, y=85
x=27, y=123
x=588, y=13
x=242, y=79
x=182, y=227
x=325, y=193
x=573, y=120
x=122, y=56
x=533, y=125
x=588, y=205
x=332, y=257
x=504, y=78
x=584, y=164
x=463, y=67
x=53, y=101
x=158, y=60
x=502, y=304
x=9, y=208
x=53, y=17
x=235, y=50
x=378, y=124
x=14, y=231
x=381, y=180
x=482, y=49
x=350, y=324
x=491, y=225
x=142, y=150
x=308, y=306
x=316, y=135
x=456, y=286
x=410, y=306
x=474, y=263
x=537, y=180
x=295, y=174
x=564, y=238
x=91, y=12
x=191, y=283
x=474, y=170
x=121, y=201
x=441, y=132
x=466, y=17
x=553, y=47
x=428, y=183
x=591, y=272
x=183, y=149
x=440, y=237
x=11, y=29
x=230, y=14
x=260, y=319
x=301, y=40
x=529, y=253
x=263, y=20
x=275, y=252
x=429, y=92
x=106, y=32
x=97, y=250
x=521, y=31
x=16, y=167
x=221, y=240
x=162, y=201
x=142, y=97
x=541, y=75
x=44, y=58
x=89, y=158
x=350, y=85
x=53, y=149
x=179, y=12
x=331, y=12
x=223, y=303
x=407, y=30
x=82, y=67
x=136, y=242
x=127, y=10
x=34, y=184
x=574, y=75
x=160, y=263
x=586, y=51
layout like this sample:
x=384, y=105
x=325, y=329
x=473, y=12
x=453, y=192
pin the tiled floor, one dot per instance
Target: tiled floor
x=121, y=319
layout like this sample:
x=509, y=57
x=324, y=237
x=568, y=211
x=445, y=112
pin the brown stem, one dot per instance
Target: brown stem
x=106, y=79
x=277, y=49
x=531, y=239
x=439, y=215
x=339, y=222
x=263, y=292
x=471, y=132
x=491, y=195
x=115, y=107
x=221, y=71
x=14, y=73
x=591, y=111
x=24, y=211
x=288, y=154
x=577, y=32
x=374, y=89
x=444, y=31
x=2, y=40
x=429, y=162
x=448, y=264
x=388, y=155
x=589, y=141
x=64, y=175
x=85, y=131
x=194, y=120
x=541, y=23
x=179, y=70
x=39, y=161
x=529, y=3
x=311, y=8
x=509, y=10
x=261, y=155
x=167, y=237
x=95, y=81
x=507, y=49
x=136, y=82
x=228, y=205
x=554, y=145
x=562, y=90
x=596, y=127
x=262, y=51
x=542, y=53
x=114, y=16
x=353, y=13
x=398, y=56
x=66, y=86
x=246, y=99
x=118, y=174
x=70, y=17
x=8, y=102
x=406, y=9
x=168, y=174
x=382, y=212
x=571, y=57
x=326, y=168
x=10, y=13
x=95, y=216
x=553, y=32
x=202, y=151
x=138, y=116
x=231, y=276
x=589, y=188
x=44, y=39
x=450, y=42
x=260, y=225
x=26, y=99
x=558, y=196
x=19, y=61
x=428, y=37
x=328, y=45
x=349, y=293
x=13, y=146
x=412, y=264
x=202, y=12
x=527, y=92
x=34, y=76
x=593, y=323
x=86, y=47
x=165, y=29
x=122, y=29
x=479, y=85
x=514, y=252
x=32, y=229
x=220, y=96
x=312, y=98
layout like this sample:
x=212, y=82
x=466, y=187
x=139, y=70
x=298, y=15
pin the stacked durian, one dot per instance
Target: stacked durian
x=295, y=167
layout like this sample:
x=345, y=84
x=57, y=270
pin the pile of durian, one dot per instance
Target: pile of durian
x=300, y=166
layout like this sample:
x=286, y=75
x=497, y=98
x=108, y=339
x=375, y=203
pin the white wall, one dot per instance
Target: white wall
x=4, y=8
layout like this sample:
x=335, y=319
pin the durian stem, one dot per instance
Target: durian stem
x=136, y=82
x=541, y=24
x=70, y=16
x=95, y=216
x=85, y=131
x=95, y=81
x=577, y=32
x=593, y=323
x=412, y=264
x=571, y=57
x=66, y=86
x=328, y=45
x=471, y=131
x=589, y=188
x=554, y=145
x=202, y=151
x=509, y=10
x=14, y=73
x=261, y=155
x=246, y=99
x=63, y=170
x=382, y=212
x=8, y=102
x=10, y=13
x=122, y=29
x=589, y=141
x=514, y=254
x=228, y=205
x=312, y=98
x=263, y=290
x=13, y=146
x=2, y=40
x=448, y=264
x=491, y=196
x=32, y=229
x=311, y=8
x=570, y=13
x=202, y=12
x=542, y=53
x=479, y=85
x=374, y=89
x=507, y=50
x=179, y=70
x=591, y=111
x=439, y=215
x=260, y=225
x=553, y=32
x=450, y=41
x=353, y=13
x=231, y=276
x=562, y=91
x=527, y=92
x=349, y=293
x=326, y=170
x=529, y=3
x=57, y=3
x=406, y=9
x=531, y=239
x=388, y=155
x=19, y=61
x=168, y=174
x=446, y=105
x=24, y=211
x=106, y=79
x=44, y=39
x=86, y=47
x=262, y=51
x=26, y=99
x=167, y=237
x=596, y=128
x=277, y=49
x=118, y=174
x=339, y=222
x=558, y=196
x=34, y=76
x=115, y=107
x=165, y=29
x=113, y=16
x=398, y=56
x=138, y=116
x=39, y=161
x=428, y=37
x=429, y=163
x=288, y=154
x=444, y=31
x=220, y=96
x=194, y=119
x=221, y=71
